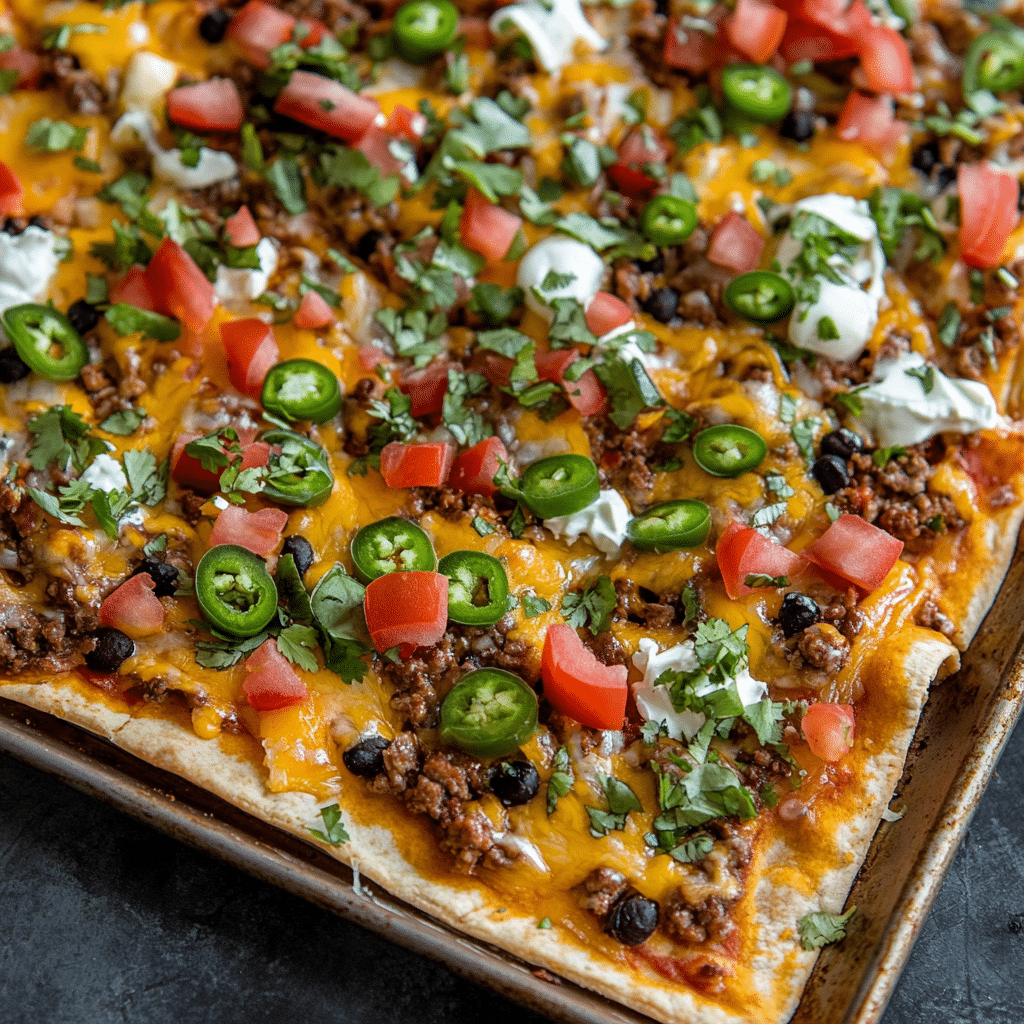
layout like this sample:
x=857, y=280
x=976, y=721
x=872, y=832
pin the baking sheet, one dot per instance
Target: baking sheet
x=963, y=729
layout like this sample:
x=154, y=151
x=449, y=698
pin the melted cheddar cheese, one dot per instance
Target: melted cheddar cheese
x=728, y=372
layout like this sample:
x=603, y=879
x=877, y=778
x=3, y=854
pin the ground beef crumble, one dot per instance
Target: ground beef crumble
x=895, y=497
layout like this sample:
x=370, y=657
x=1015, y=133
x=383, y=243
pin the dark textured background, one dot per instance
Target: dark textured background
x=104, y=921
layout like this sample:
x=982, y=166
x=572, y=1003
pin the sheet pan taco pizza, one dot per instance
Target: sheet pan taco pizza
x=542, y=454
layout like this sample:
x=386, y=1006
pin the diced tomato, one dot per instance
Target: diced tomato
x=251, y=350
x=885, y=59
x=742, y=551
x=371, y=356
x=585, y=395
x=406, y=608
x=755, y=29
x=271, y=682
x=497, y=369
x=631, y=182
x=988, y=213
x=29, y=66
x=210, y=106
x=416, y=465
x=872, y=123
x=260, y=531
x=735, y=243
x=133, y=607
x=179, y=287
x=406, y=124
x=327, y=105
x=375, y=145
x=473, y=471
x=314, y=311
x=838, y=17
x=643, y=146
x=257, y=29
x=688, y=49
x=426, y=388
x=606, y=313
x=579, y=685
x=855, y=550
x=476, y=30
x=12, y=192
x=806, y=41
x=134, y=289
x=829, y=730
x=241, y=230
x=313, y=32
x=189, y=472
x=487, y=228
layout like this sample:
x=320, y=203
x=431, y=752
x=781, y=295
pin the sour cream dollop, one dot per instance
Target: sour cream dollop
x=898, y=410
x=654, y=701
x=28, y=263
x=581, y=267
x=850, y=309
x=552, y=29
x=604, y=521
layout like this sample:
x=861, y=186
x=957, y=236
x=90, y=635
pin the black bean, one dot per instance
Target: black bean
x=944, y=177
x=632, y=919
x=366, y=758
x=83, y=316
x=655, y=266
x=830, y=471
x=662, y=304
x=798, y=611
x=301, y=550
x=163, y=574
x=111, y=648
x=214, y=24
x=798, y=125
x=926, y=156
x=842, y=442
x=514, y=782
x=367, y=245
x=11, y=367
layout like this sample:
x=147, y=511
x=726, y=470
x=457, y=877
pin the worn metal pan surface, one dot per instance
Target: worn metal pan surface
x=964, y=726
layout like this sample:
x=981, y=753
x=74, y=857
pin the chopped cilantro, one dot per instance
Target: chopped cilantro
x=334, y=829
x=881, y=456
x=562, y=778
x=592, y=607
x=621, y=800
x=821, y=928
x=483, y=526
x=54, y=136
x=534, y=606
x=925, y=374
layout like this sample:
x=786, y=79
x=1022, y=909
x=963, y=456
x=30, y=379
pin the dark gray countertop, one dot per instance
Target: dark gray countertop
x=104, y=921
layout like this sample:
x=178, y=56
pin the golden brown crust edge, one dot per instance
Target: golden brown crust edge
x=781, y=970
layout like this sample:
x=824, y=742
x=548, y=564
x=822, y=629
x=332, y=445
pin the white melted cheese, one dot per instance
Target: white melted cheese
x=564, y=256
x=146, y=81
x=851, y=307
x=654, y=702
x=213, y=166
x=551, y=28
x=236, y=287
x=604, y=521
x=898, y=410
x=28, y=263
x=105, y=473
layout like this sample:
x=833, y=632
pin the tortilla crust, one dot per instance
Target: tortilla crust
x=773, y=903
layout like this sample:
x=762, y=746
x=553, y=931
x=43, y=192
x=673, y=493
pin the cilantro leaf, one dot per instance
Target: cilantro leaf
x=630, y=390
x=822, y=929
x=297, y=644
x=592, y=607
x=291, y=591
x=337, y=607
x=925, y=374
x=534, y=606
x=124, y=422
x=335, y=833
x=54, y=136
x=621, y=800
x=562, y=778
x=466, y=424
x=222, y=654
x=62, y=437
x=693, y=851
